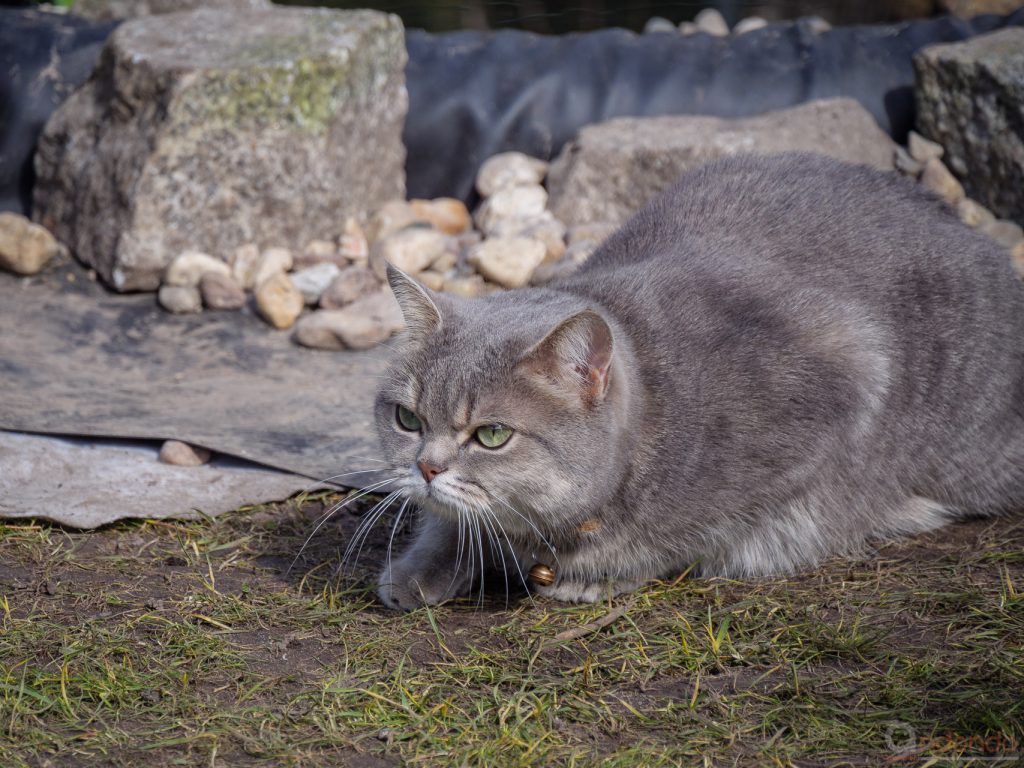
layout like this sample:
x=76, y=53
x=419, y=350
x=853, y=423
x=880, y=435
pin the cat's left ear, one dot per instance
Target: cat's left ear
x=421, y=313
x=576, y=355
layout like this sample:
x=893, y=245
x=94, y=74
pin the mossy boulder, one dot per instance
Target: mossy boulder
x=209, y=129
x=970, y=99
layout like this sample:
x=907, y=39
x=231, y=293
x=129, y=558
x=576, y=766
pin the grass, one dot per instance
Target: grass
x=160, y=643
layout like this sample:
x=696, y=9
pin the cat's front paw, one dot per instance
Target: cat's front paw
x=586, y=592
x=410, y=583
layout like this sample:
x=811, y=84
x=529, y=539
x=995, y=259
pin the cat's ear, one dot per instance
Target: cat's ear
x=422, y=316
x=575, y=356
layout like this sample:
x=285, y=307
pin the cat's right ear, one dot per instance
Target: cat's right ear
x=422, y=316
x=575, y=357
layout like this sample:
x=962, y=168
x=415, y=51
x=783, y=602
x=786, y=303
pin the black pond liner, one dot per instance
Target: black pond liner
x=472, y=94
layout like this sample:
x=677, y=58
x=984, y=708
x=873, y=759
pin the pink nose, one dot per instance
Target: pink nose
x=428, y=470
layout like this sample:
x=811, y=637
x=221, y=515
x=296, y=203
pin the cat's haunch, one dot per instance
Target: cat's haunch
x=774, y=361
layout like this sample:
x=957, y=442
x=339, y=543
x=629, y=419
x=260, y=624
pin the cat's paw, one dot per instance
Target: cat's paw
x=586, y=592
x=407, y=585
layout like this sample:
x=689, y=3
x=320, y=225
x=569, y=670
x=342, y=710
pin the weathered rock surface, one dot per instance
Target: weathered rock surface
x=611, y=169
x=208, y=129
x=183, y=455
x=313, y=281
x=509, y=169
x=180, y=299
x=507, y=261
x=187, y=268
x=221, y=291
x=350, y=285
x=279, y=301
x=25, y=248
x=411, y=250
x=969, y=98
x=361, y=325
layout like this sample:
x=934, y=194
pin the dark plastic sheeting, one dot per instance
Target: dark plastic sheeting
x=472, y=94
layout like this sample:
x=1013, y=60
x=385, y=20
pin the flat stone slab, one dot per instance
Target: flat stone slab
x=77, y=360
x=612, y=169
x=210, y=129
x=89, y=483
x=970, y=99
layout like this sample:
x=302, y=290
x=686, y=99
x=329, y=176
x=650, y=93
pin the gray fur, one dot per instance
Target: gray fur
x=805, y=355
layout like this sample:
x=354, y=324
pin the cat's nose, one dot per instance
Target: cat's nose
x=428, y=470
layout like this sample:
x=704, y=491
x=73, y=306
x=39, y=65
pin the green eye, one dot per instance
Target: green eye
x=407, y=419
x=493, y=435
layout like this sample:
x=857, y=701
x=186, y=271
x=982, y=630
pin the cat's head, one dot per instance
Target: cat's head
x=511, y=403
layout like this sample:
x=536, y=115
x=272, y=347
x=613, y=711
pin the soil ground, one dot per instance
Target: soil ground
x=195, y=643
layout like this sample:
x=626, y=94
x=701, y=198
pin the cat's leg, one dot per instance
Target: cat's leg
x=431, y=570
x=572, y=591
x=590, y=574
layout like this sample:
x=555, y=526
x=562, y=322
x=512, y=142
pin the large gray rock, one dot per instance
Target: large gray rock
x=970, y=99
x=209, y=129
x=611, y=169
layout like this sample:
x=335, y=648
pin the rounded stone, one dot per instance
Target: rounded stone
x=348, y=286
x=509, y=262
x=187, y=269
x=922, y=149
x=711, y=21
x=444, y=213
x=749, y=24
x=183, y=455
x=25, y=248
x=973, y=213
x=511, y=204
x=509, y=169
x=937, y=178
x=279, y=301
x=221, y=291
x=361, y=325
x=180, y=299
x=1006, y=233
x=271, y=262
x=313, y=281
x=390, y=218
x=243, y=264
x=411, y=250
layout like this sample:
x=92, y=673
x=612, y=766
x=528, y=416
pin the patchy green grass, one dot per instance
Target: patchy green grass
x=156, y=643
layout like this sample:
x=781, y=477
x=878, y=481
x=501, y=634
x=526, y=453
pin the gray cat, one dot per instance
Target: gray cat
x=772, y=362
